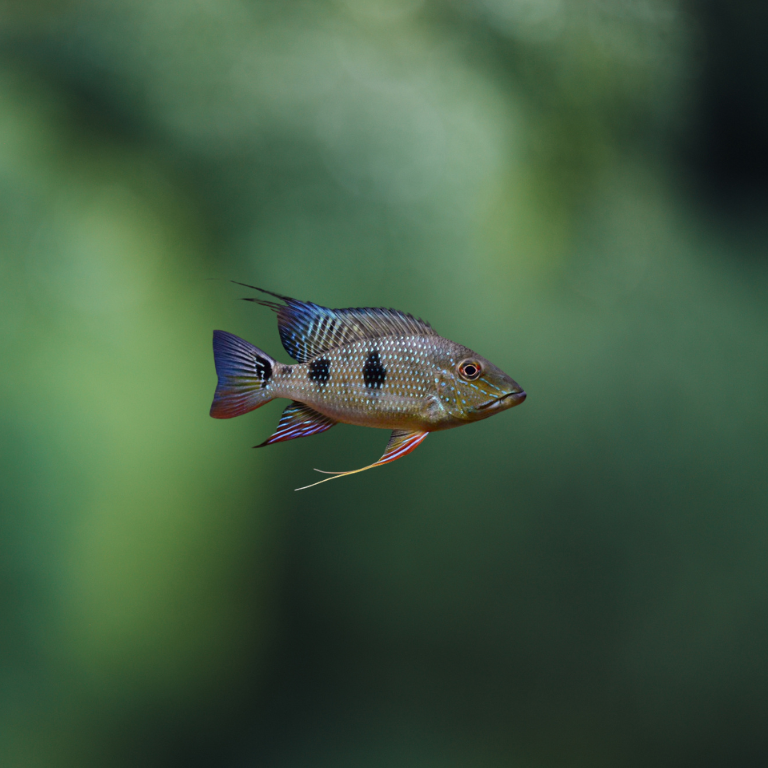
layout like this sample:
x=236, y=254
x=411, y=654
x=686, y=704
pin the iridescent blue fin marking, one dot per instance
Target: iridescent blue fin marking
x=400, y=443
x=308, y=330
x=298, y=420
x=244, y=373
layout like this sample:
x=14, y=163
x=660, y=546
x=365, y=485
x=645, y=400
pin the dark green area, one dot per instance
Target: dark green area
x=577, y=190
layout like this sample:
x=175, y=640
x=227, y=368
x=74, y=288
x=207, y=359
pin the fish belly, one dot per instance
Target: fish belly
x=406, y=415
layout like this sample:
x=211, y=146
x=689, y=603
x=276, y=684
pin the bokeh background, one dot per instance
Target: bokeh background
x=578, y=190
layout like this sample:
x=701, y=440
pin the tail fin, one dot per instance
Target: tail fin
x=244, y=373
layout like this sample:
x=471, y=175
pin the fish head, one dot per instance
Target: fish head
x=476, y=388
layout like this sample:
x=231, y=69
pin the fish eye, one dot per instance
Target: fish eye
x=470, y=369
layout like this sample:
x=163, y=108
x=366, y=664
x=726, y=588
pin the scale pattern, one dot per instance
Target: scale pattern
x=375, y=382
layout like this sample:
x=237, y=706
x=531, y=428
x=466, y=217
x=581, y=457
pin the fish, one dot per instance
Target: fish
x=372, y=367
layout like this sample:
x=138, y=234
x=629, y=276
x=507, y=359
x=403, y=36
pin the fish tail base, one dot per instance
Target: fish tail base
x=245, y=374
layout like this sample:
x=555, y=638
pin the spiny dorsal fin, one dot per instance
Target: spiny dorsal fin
x=308, y=330
x=298, y=420
x=401, y=442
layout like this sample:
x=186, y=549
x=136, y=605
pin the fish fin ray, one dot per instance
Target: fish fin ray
x=401, y=442
x=298, y=420
x=244, y=373
x=308, y=330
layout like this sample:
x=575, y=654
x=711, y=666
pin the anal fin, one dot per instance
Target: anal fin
x=298, y=420
x=401, y=442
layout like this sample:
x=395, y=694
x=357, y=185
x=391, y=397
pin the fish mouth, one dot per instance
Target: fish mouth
x=517, y=398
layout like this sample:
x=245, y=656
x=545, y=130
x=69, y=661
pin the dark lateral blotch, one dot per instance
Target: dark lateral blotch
x=374, y=373
x=320, y=370
x=263, y=369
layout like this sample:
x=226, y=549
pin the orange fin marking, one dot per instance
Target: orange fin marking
x=401, y=442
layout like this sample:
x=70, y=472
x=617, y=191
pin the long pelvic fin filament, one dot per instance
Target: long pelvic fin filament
x=337, y=475
x=400, y=443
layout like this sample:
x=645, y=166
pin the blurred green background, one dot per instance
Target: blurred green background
x=578, y=191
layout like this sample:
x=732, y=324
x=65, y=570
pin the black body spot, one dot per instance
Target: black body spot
x=374, y=373
x=263, y=369
x=320, y=370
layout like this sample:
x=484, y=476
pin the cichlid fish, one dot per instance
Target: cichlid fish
x=373, y=367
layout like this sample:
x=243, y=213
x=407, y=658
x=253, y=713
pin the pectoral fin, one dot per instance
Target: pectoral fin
x=400, y=443
x=298, y=420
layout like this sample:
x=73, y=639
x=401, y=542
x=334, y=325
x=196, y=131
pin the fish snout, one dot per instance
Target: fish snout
x=507, y=400
x=514, y=396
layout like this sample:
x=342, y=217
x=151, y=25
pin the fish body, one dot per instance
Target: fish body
x=370, y=367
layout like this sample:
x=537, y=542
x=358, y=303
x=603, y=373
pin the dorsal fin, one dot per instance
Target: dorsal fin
x=307, y=330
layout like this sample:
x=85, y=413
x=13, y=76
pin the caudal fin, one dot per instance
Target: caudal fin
x=244, y=373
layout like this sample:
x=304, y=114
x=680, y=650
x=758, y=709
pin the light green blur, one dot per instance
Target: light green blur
x=581, y=582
